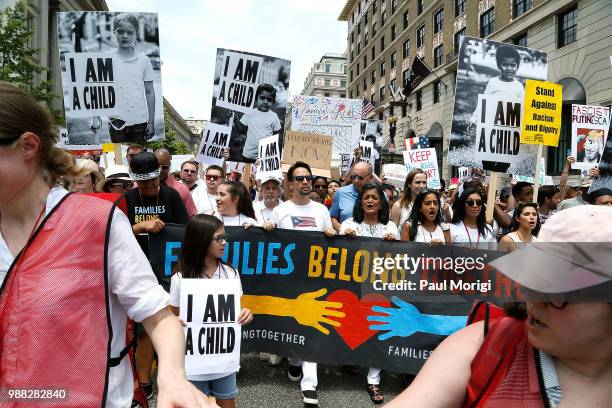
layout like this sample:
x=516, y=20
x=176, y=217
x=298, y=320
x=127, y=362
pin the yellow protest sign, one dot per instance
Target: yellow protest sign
x=542, y=113
x=108, y=147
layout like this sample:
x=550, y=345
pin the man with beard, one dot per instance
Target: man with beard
x=270, y=190
x=548, y=199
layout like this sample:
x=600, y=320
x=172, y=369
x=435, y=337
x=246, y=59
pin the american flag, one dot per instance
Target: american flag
x=303, y=222
x=419, y=142
x=367, y=107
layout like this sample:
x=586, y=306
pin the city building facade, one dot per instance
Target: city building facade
x=384, y=36
x=328, y=77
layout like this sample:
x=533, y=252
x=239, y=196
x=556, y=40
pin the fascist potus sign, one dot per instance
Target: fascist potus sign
x=361, y=301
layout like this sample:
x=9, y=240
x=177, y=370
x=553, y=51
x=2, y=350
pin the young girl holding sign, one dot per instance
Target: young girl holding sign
x=203, y=248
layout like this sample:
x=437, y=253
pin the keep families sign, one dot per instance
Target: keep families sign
x=590, y=125
x=91, y=85
x=426, y=160
x=239, y=79
x=215, y=138
x=542, y=113
x=210, y=309
x=269, y=159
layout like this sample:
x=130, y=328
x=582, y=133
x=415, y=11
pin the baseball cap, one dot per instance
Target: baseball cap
x=144, y=166
x=271, y=178
x=118, y=172
x=573, y=251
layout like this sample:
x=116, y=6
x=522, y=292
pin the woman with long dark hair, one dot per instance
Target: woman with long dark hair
x=425, y=222
x=371, y=219
x=469, y=225
x=525, y=225
x=234, y=205
x=416, y=180
x=201, y=258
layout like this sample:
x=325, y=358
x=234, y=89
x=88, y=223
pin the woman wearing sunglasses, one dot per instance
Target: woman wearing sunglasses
x=106, y=277
x=425, y=222
x=202, y=250
x=234, y=205
x=551, y=351
x=525, y=225
x=469, y=225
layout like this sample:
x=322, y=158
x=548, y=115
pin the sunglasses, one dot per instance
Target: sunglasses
x=302, y=178
x=190, y=171
x=357, y=177
x=473, y=203
x=211, y=177
x=5, y=141
x=220, y=238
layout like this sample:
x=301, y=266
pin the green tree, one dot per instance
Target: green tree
x=171, y=142
x=17, y=63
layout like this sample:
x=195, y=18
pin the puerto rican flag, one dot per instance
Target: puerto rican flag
x=303, y=222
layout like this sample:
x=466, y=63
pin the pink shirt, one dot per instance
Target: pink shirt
x=185, y=194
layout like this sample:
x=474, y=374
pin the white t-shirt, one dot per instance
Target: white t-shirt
x=262, y=213
x=222, y=272
x=239, y=220
x=205, y=203
x=404, y=215
x=261, y=124
x=422, y=235
x=513, y=89
x=465, y=236
x=365, y=230
x=130, y=76
x=133, y=292
x=310, y=217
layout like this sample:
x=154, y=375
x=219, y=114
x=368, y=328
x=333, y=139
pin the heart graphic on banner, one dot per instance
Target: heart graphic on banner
x=354, y=330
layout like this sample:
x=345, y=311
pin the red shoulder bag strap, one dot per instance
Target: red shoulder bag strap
x=493, y=359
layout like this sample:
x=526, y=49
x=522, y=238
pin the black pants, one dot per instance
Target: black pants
x=130, y=134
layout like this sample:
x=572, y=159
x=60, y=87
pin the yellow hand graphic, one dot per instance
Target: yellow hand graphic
x=309, y=311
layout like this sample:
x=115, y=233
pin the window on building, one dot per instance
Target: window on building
x=438, y=56
x=359, y=28
x=373, y=53
x=373, y=9
x=405, y=77
x=359, y=8
x=352, y=37
x=405, y=20
x=393, y=84
x=380, y=116
x=567, y=27
x=328, y=94
x=436, y=92
x=352, y=55
x=351, y=75
x=393, y=33
x=457, y=42
x=420, y=33
x=365, y=39
x=343, y=83
x=343, y=95
x=365, y=21
x=520, y=40
x=519, y=7
x=405, y=49
x=374, y=29
x=419, y=100
x=460, y=7
x=393, y=6
x=358, y=48
x=365, y=82
x=345, y=69
x=382, y=43
x=383, y=17
x=391, y=113
x=438, y=21
x=327, y=82
x=357, y=73
x=373, y=76
x=382, y=69
x=382, y=93
x=393, y=59
x=420, y=7
x=365, y=60
x=351, y=94
x=373, y=98
x=487, y=22
x=357, y=89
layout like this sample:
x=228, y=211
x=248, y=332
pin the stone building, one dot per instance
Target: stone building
x=327, y=77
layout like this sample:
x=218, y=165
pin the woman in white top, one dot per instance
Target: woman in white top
x=425, y=222
x=469, y=225
x=234, y=205
x=201, y=254
x=525, y=225
x=416, y=180
x=371, y=219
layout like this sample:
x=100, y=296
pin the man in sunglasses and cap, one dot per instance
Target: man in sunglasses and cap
x=344, y=199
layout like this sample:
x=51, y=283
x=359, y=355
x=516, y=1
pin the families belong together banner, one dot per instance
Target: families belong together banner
x=488, y=109
x=346, y=301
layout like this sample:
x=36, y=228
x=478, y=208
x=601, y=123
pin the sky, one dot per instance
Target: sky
x=192, y=30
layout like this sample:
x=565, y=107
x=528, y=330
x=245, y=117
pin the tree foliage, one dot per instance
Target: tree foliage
x=17, y=62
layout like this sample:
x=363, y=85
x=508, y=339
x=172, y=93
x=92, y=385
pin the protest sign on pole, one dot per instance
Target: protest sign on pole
x=269, y=159
x=463, y=172
x=109, y=97
x=250, y=93
x=367, y=151
x=395, y=174
x=605, y=167
x=345, y=166
x=589, y=132
x=487, y=114
x=542, y=113
x=209, y=309
x=339, y=118
x=215, y=138
x=426, y=160
x=372, y=130
x=316, y=150
x=177, y=161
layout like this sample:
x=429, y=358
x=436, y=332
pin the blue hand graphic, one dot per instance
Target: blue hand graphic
x=407, y=320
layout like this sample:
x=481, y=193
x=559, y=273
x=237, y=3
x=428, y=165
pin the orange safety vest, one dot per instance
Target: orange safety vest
x=55, y=329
